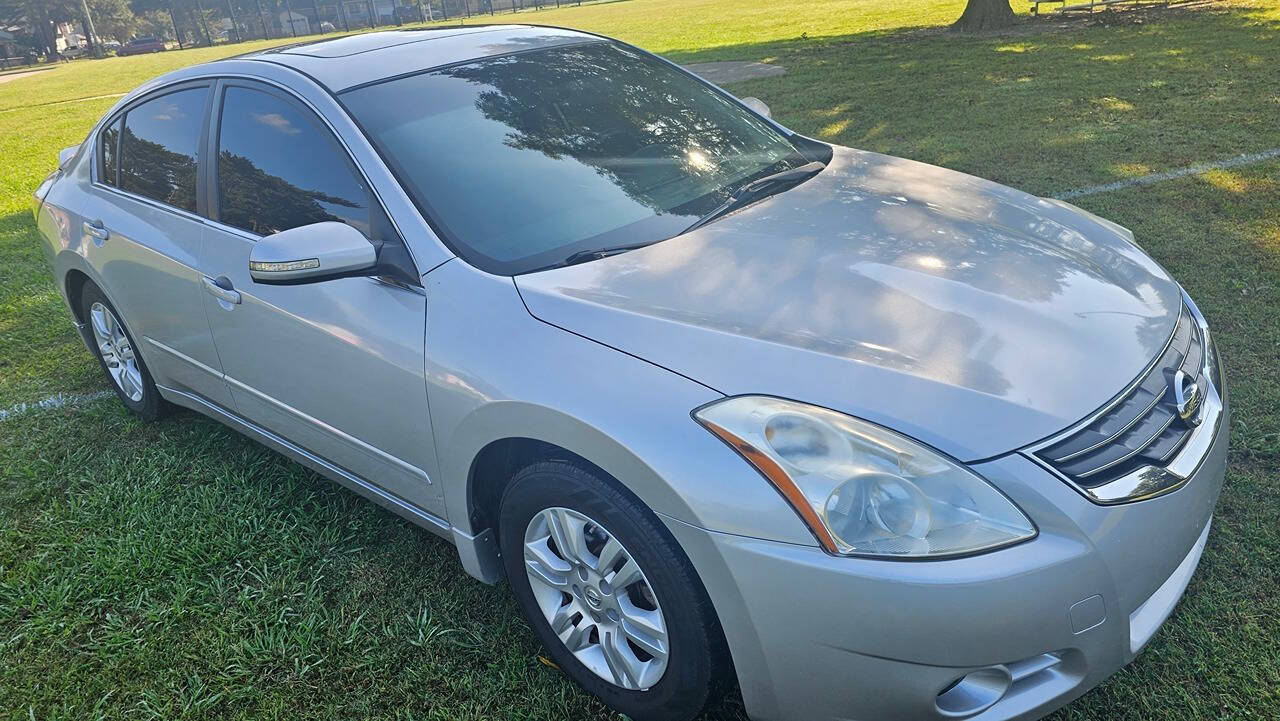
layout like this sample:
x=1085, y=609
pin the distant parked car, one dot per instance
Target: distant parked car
x=141, y=46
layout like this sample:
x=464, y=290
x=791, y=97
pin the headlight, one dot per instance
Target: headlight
x=864, y=490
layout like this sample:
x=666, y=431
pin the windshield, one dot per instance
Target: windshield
x=522, y=160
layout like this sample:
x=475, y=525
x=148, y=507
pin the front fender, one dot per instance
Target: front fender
x=666, y=470
x=495, y=372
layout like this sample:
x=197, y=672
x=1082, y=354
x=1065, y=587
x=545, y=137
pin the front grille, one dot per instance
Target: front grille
x=1139, y=429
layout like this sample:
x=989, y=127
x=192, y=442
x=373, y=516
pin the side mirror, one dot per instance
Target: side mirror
x=66, y=154
x=757, y=105
x=311, y=253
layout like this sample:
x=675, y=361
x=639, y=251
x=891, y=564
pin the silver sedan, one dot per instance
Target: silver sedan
x=873, y=439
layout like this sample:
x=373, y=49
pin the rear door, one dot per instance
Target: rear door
x=142, y=232
x=334, y=366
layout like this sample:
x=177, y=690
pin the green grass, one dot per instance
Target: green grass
x=177, y=570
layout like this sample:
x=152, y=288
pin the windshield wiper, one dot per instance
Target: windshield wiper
x=758, y=189
x=583, y=256
x=747, y=193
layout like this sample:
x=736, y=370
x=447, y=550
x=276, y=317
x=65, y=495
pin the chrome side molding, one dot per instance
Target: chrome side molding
x=390, y=501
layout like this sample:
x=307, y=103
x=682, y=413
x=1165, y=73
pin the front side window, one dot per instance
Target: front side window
x=279, y=169
x=109, y=142
x=159, y=146
x=521, y=160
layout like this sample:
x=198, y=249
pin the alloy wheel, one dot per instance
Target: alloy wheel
x=596, y=598
x=117, y=351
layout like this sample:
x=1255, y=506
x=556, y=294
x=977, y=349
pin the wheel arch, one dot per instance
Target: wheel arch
x=73, y=285
x=507, y=435
x=492, y=470
x=498, y=439
x=496, y=465
x=74, y=273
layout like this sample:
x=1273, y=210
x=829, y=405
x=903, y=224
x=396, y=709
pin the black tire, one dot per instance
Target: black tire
x=151, y=406
x=698, y=668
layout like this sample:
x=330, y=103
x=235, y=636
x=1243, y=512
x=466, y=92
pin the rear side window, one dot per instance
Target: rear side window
x=110, y=146
x=158, y=147
x=278, y=168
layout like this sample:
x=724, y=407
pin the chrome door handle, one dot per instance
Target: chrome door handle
x=95, y=229
x=220, y=290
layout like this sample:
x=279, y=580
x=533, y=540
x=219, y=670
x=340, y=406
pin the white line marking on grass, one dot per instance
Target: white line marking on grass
x=57, y=400
x=1235, y=162
x=61, y=102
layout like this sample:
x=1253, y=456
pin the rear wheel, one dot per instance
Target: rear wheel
x=610, y=594
x=117, y=353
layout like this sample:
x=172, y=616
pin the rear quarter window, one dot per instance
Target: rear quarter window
x=108, y=150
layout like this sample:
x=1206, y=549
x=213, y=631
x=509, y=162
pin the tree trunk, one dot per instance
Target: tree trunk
x=985, y=15
x=47, y=37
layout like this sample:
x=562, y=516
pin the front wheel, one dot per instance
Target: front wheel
x=610, y=594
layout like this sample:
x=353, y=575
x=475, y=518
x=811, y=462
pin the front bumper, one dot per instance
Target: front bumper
x=818, y=637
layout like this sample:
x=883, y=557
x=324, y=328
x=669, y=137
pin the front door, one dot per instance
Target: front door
x=334, y=366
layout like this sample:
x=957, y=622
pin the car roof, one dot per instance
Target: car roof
x=352, y=60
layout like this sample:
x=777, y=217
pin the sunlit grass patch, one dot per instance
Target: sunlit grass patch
x=1117, y=104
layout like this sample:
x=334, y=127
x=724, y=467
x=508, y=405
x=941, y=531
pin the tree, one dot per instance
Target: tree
x=250, y=194
x=113, y=19
x=154, y=23
x=40, y=16
x=188, y=17
x=985, y=15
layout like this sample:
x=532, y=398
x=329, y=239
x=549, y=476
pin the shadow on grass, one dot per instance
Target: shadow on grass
x=1045, y=112
x=40, y=353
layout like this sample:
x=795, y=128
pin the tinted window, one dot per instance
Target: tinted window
x=109, y=142
x=279, y=169
x=523, y=159
x=158, y=149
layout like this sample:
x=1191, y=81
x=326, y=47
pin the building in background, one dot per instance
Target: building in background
x=66, y=40
x=293, y=23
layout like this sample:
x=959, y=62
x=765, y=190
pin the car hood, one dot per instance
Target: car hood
x=963, y=313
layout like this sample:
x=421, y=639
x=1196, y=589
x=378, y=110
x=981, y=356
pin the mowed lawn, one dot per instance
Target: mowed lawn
x=177, y=570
